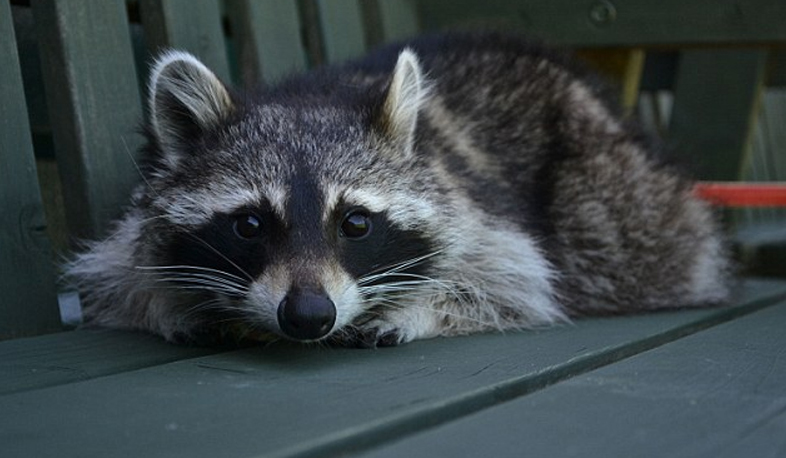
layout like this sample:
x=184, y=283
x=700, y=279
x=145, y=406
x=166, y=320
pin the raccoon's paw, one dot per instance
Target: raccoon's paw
x=393, y=328
x=370, y=337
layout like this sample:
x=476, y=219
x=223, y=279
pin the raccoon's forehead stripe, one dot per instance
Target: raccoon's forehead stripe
x=194, y=208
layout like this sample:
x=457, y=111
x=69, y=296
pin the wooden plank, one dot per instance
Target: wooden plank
x=714, y=394
x=193, y=26
x=716, y=98
x=398, y=20
x=94, y=109
x=56, y=359
x=267, y=35
x=618, y=23
x=341, y=24
x=288, y=400
x=27, y=281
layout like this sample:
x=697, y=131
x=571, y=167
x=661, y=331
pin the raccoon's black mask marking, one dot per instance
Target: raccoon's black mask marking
x=385, y=248
x=216, y=245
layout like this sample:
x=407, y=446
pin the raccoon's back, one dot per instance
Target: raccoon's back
x=537, y=141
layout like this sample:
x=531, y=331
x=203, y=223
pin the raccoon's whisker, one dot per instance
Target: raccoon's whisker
x=211, y=288
x=205, y=281
x=197, y=278
x=222, y=255
x=398, y=267
x=184, y=268
x=209, y=304
x=398, y=305
x=137, y=167
x=216, y=305
x=419, y=280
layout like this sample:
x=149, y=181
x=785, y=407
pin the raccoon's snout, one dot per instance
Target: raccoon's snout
x=306, y=316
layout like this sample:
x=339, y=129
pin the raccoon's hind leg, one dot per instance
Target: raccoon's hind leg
x=631, y=236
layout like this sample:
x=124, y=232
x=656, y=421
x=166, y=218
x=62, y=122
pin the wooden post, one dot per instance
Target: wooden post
x=27, y=281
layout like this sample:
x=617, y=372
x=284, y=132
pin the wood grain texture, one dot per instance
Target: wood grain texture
x=398, y=20
x=27, y=281
x=341, y=25
x=718, y=393
x=94, y=106
x=66, y=357
x=618, y=22
x=267, y=36
x=288, y=400
x=188, y=25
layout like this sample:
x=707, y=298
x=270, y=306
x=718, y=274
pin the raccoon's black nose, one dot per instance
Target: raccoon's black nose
x=306, y=316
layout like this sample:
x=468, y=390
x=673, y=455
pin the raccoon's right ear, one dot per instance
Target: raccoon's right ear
x=186, y=99
x=405, y=97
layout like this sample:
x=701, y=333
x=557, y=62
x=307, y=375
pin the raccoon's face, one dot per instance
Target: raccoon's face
x=292, y=219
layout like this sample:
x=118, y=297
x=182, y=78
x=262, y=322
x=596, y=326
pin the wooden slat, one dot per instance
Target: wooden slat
x=28, y=305
x=190, y=25
x=341, y=25
x=56, y=359
x=618, y=23
x=292, y=401
x=398, y=19
x=267, y=36
x=94, y=106
x=715, y=394
x=715, y=105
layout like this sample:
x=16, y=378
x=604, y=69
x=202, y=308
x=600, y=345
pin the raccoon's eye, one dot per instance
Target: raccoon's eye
x=356, y=224
x=247, y=226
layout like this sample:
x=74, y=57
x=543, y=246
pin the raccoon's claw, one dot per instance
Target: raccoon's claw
x=388, y=339
x=371, y=338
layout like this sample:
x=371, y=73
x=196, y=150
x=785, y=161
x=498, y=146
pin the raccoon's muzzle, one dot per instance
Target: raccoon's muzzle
x=304, y=315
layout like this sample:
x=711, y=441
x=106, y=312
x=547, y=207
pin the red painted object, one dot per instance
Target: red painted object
x=741, y=194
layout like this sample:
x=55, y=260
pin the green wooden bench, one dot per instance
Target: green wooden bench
x=692, y=383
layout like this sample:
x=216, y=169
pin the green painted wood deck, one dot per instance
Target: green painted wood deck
x=685, y=383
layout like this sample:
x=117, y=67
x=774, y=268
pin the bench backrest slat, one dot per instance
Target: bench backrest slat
x=94, y=106
x=268, y=39
x=716, y=92
x=193, y=26
x=341, y=23
x=27, y=281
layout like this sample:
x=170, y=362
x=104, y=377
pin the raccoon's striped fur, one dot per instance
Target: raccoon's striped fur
x=449, y=185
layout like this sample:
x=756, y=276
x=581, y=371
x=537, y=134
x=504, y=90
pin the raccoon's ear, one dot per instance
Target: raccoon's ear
x=403, y=101
x=186, y=99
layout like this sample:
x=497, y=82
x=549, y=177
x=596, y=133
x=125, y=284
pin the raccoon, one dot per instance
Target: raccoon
x=448, y=185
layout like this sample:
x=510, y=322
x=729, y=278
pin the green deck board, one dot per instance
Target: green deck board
x=286, y=400
x=718, y=393
x=28, y=364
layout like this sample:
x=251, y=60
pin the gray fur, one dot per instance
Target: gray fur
x=529, y=198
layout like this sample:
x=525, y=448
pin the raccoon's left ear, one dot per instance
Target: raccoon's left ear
x=186, y=99
x=405, y=97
